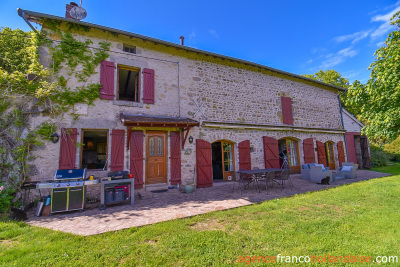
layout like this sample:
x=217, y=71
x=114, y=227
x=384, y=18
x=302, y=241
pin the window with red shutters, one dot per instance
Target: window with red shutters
x=175, y=158
x=94, y=149
x=244, y=155
x=203, y=163
x=321, y=153
x=136, y=157
x=117, y=150
x=271, y=152
x=287, y=114
x=68, y=148
x=341, y=155
x=308, y=148
x=107, y=80
x=148, y=86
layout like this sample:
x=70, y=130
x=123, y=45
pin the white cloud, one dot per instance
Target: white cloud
x=192, y=35
x=335, y=59
x=382, y=30
x=213, y=33
x=387, y=16
x=380, y=44
x=355, y=37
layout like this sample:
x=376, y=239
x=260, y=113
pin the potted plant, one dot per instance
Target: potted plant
x=189, y=185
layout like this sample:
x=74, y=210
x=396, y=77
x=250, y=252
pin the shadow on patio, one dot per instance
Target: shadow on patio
x=173, y=204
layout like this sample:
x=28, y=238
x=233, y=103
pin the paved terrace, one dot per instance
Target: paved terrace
x=158, y=207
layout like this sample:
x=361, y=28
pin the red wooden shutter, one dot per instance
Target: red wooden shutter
x=68, y=148
x=203, y=163
x=351, y=148
x=244, y=155
x=175, y=158
x=321, y=153
x=341, y=155
x=136, y=160
x=117, y=150
x=308, y=149
x=271, y=152
x=148, y=86
x=287, y=114
x=107, y=80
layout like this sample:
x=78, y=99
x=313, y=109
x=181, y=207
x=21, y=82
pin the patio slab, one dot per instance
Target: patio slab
x=173, y=204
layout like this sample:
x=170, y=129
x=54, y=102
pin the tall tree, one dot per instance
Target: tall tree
x=329, y=76
x=335, y=78
x=379, y=99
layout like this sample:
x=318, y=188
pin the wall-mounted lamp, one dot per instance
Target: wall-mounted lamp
x=190, y=139
x=54, y=138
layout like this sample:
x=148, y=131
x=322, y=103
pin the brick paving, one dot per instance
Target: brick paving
x=158, y=207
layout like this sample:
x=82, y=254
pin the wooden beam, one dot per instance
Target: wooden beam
x=184, y=140
x=129, y=138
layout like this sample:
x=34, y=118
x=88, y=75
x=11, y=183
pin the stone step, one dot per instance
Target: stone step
x=155, y=187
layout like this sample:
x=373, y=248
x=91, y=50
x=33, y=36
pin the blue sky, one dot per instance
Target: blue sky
x=300, y=37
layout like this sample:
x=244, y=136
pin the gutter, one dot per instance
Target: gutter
x=341, y=115
x=21, y=13
x=36, y=16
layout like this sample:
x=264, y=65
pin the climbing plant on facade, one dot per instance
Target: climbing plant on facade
x=28, y=88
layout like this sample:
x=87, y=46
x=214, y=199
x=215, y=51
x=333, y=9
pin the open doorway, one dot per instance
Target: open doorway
x=289, y=154
x=223, y=160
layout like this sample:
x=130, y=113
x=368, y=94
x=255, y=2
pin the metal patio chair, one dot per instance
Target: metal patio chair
x=284, y=178
x=242, y=180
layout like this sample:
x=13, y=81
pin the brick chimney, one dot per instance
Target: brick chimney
x=68, y=9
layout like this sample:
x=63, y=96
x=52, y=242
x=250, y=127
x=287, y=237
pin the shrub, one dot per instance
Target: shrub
x=6, y=199
x=394, y=148
x=379, y=157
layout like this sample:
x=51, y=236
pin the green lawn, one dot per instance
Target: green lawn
x=361, y=218
x=393, y=168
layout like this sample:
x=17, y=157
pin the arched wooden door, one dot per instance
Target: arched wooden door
x=330, y=155
x=223, y=160
x=289, y=148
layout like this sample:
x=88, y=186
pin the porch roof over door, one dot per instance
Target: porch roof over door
x=157, y=121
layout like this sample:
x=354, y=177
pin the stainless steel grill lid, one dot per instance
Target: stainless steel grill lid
x=74, y=174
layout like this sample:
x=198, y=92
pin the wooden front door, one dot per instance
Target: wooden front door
x=156, y=167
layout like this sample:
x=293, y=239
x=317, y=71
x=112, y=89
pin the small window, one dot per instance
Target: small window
x=94, y=149
x=130, y=49
x=128, y=79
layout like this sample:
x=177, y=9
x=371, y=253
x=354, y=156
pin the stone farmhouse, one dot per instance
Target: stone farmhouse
x=172, y=114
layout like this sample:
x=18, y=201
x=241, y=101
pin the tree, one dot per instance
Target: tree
x=329, y=76
x=28, y=88
x=379, y=99
x=335, y=78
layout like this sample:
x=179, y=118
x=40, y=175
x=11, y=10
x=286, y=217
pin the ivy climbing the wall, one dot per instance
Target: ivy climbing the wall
x=30, y=89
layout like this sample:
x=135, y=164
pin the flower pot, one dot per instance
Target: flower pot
x=188, y=188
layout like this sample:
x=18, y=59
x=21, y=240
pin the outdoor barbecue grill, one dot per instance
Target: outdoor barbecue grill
x=67, y=190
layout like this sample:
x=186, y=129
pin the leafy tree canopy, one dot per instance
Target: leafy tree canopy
x=329, y=76
x=28, y=88
x=379, y=99
x=335, y=78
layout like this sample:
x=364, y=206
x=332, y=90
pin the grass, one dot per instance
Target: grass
x=393, y=168
x=361, y=218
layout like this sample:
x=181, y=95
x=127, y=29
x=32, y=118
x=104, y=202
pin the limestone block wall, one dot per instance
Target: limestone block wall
x=229, y=93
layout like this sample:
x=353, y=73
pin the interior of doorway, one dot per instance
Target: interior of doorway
x=223, y=162
x=217, y=161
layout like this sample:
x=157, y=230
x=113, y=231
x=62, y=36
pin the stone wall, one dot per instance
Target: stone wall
x=236, y=93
